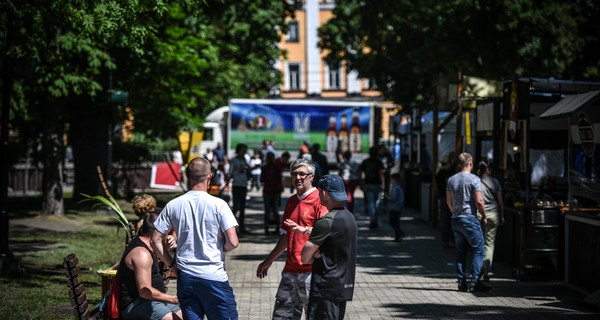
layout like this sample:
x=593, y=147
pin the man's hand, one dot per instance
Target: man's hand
x=294, y=226
x=483, y=221
x=170, y=242
x=262, y=269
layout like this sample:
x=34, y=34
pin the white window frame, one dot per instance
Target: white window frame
x=333, y=77
x=288, y=77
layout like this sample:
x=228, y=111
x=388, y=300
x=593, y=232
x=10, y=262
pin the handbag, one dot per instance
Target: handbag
x=113, y=304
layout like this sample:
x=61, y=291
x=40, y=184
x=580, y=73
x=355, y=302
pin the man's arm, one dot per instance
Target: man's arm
x=500, y=206
x=141, y=263
x=231, y=241
x=280, y=247
x=159, y=249
x=308, y=252
x=480, y=206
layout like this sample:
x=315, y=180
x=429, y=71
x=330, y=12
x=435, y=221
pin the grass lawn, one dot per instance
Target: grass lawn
x=42, y=242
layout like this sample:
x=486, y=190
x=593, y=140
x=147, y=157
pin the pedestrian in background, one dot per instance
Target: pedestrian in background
x=238, y=172
x=494, y=209
x=349, y=173
x=272, y=188
x=441, y=179
x=395, y=206
x=303, y=209
x=256, y=163
x=371, y=177
x=464, y=198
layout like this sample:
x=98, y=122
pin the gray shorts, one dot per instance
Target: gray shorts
x=146, y=309
x=292, y=295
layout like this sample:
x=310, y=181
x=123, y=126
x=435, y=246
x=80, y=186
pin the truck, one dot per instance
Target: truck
x=337, y=125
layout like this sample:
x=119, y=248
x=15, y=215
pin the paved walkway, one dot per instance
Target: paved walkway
x=414, y=279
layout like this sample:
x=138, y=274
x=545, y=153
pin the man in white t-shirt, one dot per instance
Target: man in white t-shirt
x=206, y=229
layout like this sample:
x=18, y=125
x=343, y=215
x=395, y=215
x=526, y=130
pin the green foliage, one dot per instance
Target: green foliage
x=401, y=45
x=112, y=204
x=200, y=57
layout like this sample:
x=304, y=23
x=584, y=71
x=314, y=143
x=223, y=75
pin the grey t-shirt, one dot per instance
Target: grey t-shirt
x=462, y=187
x=489, y=190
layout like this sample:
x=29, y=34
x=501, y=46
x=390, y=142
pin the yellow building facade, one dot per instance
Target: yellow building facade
x=305, y=73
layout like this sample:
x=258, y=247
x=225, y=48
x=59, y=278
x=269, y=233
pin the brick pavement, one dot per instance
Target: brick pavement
x=414, y=279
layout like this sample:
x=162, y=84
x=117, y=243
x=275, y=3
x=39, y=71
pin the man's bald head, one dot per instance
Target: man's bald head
x=198, y=169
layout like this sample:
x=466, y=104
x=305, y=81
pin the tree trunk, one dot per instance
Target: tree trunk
x=52, y=146
x=89, y=141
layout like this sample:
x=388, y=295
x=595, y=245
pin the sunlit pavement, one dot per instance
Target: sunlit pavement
x=413, y=279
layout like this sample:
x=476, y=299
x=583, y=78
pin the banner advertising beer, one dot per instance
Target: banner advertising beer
x=336, y=126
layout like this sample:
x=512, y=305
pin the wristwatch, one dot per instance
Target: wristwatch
x=305, y=230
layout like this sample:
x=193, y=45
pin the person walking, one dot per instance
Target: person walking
x=256, y=163
x=395, y=206
x=272, y=189
x=441, y=181
x=331, y=249
x=463, y=196
x=304, y=208
x=206, y=229
x=238, y=172
x=349, y=173
x=494, y=209
x=372, y=184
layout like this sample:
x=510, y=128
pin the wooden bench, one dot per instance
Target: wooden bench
x=77, y=291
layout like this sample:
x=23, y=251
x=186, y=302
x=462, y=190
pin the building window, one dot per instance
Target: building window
x=293, y=32
x=294, y=77
x=334, y=77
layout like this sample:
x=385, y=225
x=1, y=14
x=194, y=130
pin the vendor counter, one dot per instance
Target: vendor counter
x=531, y=240
x=582, y=256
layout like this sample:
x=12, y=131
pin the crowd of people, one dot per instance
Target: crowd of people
x=318, y=231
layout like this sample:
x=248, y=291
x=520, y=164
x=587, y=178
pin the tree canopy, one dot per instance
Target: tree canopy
x=401, y=45
x=178, y=60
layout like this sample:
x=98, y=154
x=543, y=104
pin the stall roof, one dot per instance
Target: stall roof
x=570, y=104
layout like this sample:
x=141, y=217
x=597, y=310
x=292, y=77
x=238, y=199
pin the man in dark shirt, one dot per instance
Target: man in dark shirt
x=331, y=249
x=320, y=159
x=272, y=188
x=372, y=184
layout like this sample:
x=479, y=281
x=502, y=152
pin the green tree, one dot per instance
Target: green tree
x=178, y=61
x=402, y=44
x=201, y=57
x=68, y=42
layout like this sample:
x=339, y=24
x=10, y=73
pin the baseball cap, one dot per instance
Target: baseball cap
x=334, y=185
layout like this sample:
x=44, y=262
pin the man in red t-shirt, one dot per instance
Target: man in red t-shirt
x=303, y=209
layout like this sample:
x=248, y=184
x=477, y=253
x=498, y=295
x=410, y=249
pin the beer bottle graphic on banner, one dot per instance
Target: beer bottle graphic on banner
x=343, y=134
x=355, y=135
x=332, y=138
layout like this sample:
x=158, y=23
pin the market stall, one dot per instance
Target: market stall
x=582, y=214
x=532, y=163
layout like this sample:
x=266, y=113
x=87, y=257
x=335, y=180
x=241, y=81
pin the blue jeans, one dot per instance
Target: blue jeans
x=372, y=201
x=199, y=297
x=468, y=235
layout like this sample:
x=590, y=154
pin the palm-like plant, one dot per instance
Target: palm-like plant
x=110, y=202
